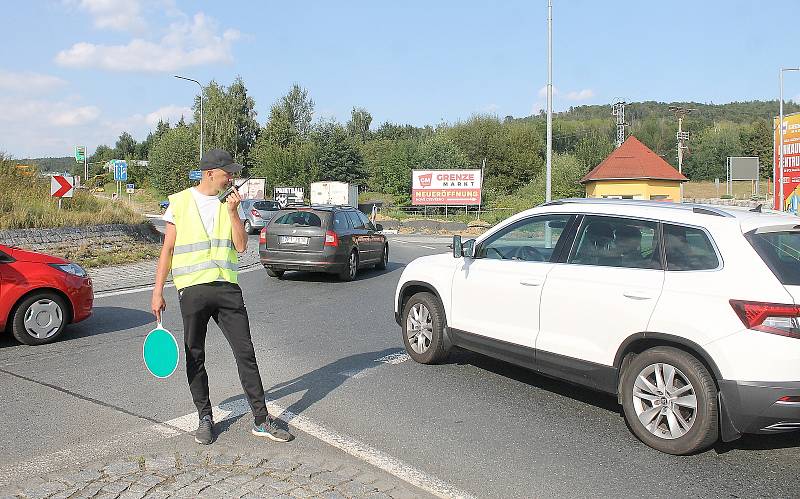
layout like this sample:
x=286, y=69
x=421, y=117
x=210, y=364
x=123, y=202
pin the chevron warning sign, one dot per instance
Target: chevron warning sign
x=61, y=186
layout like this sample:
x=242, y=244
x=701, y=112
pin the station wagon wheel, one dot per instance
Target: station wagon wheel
x=248, y=227
x=670, y=401
x=350, y=270
x=384, y=258
x=423, y=328
x=39, y=319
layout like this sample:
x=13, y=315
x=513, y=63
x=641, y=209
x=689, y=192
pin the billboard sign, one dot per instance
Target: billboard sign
x=80, y=154
x=446, y=187
x=253, y=188
x=288, y=195
x=791, y=163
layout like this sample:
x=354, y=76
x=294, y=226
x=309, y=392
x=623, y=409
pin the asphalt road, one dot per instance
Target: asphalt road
x=485, y=427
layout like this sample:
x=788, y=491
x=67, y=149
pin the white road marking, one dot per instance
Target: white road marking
x=150, y=288
x=373, y=456
x=188, y=423
x=413, y=243
x=395, y=358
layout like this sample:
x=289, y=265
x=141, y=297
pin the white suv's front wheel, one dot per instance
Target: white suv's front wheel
x=423, y=328
x=670, y=401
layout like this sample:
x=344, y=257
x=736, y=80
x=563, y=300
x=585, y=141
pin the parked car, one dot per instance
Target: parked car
x=333, y=239
x=688, y=314
x=40, y=295
x=258, y=212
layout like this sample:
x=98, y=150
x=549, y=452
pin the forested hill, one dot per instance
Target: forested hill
x=735, y=112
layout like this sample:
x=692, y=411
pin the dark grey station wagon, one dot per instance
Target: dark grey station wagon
x=333, y=239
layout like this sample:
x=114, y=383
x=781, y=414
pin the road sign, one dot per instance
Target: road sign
x=80, y=154
x=120, y=170
x=129, y=188
x=61, y=186
x=195, y=175
x=160, y=352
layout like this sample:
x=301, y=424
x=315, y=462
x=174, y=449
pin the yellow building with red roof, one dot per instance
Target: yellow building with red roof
x=633, y=171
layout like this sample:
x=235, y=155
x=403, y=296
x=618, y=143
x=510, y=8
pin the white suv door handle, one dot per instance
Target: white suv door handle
x=633, y=295
x=530, y=282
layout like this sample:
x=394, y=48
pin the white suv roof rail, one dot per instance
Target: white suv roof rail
x=696, y=208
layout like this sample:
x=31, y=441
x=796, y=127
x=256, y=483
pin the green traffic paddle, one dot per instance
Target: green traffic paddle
x=160, y=352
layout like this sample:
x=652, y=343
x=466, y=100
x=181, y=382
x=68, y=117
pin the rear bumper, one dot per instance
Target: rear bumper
x=753, y=406
x=319, y=262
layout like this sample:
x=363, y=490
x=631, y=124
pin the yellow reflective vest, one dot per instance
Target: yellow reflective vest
x=198, y=257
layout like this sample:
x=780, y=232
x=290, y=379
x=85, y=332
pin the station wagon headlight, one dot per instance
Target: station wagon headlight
x=70, y=268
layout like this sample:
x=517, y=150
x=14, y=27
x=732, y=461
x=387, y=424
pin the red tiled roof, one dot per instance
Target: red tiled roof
x=633, y=160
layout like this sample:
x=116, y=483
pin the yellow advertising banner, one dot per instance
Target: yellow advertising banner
x=791, y=163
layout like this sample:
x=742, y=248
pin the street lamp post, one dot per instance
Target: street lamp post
x=549, y=166
x=201, y=110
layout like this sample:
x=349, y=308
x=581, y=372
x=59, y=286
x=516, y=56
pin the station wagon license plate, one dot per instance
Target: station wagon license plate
x=293, y=240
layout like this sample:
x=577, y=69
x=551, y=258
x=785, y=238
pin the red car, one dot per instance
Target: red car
x=41, y=294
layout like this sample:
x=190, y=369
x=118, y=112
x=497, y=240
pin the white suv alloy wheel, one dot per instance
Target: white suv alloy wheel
x=664, y=400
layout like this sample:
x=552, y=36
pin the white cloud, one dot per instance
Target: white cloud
x=584, y=94
x=543, y=91
x=490, y=109
x=75, y=116
x=28, y=82
x=119, y=15
x=188, y=43
x=168, y=113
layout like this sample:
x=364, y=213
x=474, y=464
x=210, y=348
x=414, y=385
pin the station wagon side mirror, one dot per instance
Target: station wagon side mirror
x=378, y=228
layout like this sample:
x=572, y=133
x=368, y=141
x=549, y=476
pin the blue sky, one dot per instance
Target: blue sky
x=82, y=71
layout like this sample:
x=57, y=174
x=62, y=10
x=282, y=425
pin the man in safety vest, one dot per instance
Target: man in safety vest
x=202, y=238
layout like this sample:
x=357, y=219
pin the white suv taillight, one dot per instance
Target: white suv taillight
x=255, y=213
x=773, y=318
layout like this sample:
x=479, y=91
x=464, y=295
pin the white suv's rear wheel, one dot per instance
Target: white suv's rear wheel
x=670, y=401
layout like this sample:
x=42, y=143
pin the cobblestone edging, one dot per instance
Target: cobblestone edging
x=211, y=476
x=59, y=237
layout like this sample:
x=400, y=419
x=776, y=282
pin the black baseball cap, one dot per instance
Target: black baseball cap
x=217, y=158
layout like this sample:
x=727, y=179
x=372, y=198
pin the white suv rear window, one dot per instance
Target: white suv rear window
x=781, y=252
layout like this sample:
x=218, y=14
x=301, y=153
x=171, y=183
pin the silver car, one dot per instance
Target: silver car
x=258, y=212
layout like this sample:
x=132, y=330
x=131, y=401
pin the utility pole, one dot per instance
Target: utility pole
x=680, y=113
x=548, y=189
x=618, y=110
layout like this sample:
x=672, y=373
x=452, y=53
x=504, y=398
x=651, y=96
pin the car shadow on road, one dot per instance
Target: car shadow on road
x=103, y=320
x=316, y=385
x=604, y=401
x=363, y=274
x=585, y=395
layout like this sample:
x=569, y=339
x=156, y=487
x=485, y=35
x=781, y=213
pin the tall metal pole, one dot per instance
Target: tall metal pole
x=548, y=189
x=201, y=110
x=680, y=151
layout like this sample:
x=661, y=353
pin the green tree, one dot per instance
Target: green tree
x=591, y=150
x=293, y=165
x=125, y=146
x=171, y=158
x=97, y=161
x=358, y=126
x=337, y=157
x=228, y=118
x=757, y=140
x=290, y=118
x=710, y=151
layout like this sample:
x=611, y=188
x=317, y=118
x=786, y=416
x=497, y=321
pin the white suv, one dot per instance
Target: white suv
x=689, y=314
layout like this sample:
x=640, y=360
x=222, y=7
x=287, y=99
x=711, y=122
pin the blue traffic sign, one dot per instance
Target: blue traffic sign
x=195, y=174
x=120, y=170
